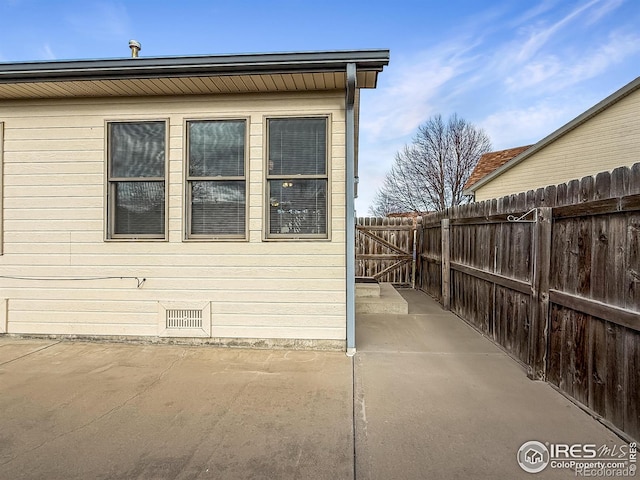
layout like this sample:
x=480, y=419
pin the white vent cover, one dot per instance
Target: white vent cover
x=184, y=319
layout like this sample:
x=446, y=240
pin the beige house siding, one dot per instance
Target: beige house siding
x=608, y=140
x=54, y=221
x=1, y=193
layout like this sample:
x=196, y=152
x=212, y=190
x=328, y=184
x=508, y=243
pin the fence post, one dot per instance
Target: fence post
x=414, y=252
x=446, y=266
x=539, y=311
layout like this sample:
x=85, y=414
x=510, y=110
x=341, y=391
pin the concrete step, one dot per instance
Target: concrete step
x=368, y=289
x=389, y=301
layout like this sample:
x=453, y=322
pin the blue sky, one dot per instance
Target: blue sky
x=517, y=68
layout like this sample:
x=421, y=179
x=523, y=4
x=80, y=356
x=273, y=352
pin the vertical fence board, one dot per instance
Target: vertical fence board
x=584, y=226
x=616, y=261
x=598, y=371
x=634, y=179
x=446, y=267
x=601, y=247
x=631, y=290
x=632, y=386
x=580, y=357
x=539, y=303
x=569, y=350
x=554, y=373
x=603, y=185
x=615, y=404
x=559, y=255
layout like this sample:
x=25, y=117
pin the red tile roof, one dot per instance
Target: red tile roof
x=492, y=161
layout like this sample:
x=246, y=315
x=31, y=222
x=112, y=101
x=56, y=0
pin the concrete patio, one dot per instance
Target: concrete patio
x=432, y=399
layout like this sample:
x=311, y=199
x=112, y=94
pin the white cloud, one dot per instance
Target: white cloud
x=535, y=53
x=47, y=53
x=562, y=70
x=619, y=47
x=535, y=73
x=533, y=12
x=603, y=9
x=538, y=38
x=527, y=125
x=412, y=89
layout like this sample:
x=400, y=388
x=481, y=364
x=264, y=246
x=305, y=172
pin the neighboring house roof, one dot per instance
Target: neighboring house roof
x=576, y=122
x=190, y=74
x=492, y=160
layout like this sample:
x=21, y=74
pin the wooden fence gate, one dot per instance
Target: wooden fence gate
x=385, y=249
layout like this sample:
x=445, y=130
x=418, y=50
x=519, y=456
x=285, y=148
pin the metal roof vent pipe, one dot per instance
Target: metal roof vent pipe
x=135, y=48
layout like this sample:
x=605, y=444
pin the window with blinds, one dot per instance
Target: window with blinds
x=137, y=180
x=297, y=177
x=216, y=179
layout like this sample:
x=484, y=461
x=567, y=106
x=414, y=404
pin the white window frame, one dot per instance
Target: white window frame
x=187, y=210
x=267, y=235
x=112, y=181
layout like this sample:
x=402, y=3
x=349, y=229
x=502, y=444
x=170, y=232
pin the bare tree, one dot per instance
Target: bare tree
x=430, y=173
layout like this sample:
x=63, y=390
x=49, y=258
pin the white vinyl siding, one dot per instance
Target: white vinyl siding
x=55, y=215
x=1, y=188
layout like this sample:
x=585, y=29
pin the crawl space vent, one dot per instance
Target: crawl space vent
x=184, y=318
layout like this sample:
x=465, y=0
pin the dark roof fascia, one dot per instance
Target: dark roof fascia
x=210, y=65
x=576, y=122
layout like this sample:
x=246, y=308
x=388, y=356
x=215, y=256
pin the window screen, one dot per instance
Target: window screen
x=298, y=146
x=136, y=179
x=297, y=177
x=216, y=178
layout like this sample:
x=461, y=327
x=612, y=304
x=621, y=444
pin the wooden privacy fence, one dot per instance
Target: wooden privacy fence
x=385, y=249
x=553, y=276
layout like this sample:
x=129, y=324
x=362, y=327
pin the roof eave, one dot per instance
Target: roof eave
x=135, y=68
